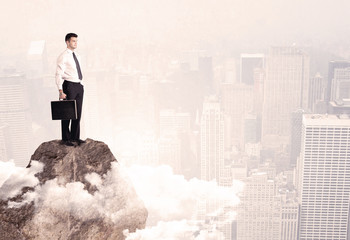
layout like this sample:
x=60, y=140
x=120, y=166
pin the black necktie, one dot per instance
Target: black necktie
x=78, y=67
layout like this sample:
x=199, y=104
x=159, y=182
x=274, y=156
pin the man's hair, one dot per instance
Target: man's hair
x=69, y=35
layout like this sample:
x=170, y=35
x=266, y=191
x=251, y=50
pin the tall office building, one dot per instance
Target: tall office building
x=212, y=156
x=3, y=137
x=250, y=62
x=259, y=78
x=341, y=84
x=230, y=75
x=268, y=210
x=92, y=109
x=286, y=89
x=146, y=148
x=205, y=70
x=173, y=121
x=324, y=177
x=37, y=60
x=169, y=152
x=316, y=91
x=212, y=140
x=237, y=104
x=331, y=68
x=251, y=129
x=289, y=220
x=259, y=214
x=14, y=112
x=297, y=119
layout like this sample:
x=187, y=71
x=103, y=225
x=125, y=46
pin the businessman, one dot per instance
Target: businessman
x=69, y=82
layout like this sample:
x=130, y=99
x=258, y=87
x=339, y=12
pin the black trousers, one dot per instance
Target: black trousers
x=74, y=91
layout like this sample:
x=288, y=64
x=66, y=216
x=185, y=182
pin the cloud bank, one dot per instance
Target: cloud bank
x=171, y=200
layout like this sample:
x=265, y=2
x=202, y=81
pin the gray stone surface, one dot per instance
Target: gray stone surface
x=71, y=164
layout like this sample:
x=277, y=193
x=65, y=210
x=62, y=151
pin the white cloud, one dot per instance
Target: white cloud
x=170, y=199
x=174, y=230
x=13, y=179
x=112, y=200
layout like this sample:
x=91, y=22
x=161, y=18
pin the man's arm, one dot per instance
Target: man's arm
x=61, y=67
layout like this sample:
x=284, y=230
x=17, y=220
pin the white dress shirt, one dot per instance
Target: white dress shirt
x=66, y=68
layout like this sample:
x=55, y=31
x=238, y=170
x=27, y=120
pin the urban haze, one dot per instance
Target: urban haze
x=230, y=117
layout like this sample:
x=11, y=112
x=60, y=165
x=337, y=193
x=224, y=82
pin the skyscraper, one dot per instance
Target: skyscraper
x=169, y=151
x=259, y=213
x=14, y=112
x=297, y=118
x=3, y=137
x=237, y=103
x=341, y=84
x=316, y=91
x=212, y=140
x=289, y=220
x=174, y=121
x=331, y=68
x=324, y=177
x=285, y=90
x=212, y=161
x=250, y=62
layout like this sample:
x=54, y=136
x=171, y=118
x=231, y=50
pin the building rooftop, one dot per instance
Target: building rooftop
x=340, y=103
x=326, y=119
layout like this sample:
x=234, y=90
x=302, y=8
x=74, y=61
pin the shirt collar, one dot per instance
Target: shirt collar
x=70, y=51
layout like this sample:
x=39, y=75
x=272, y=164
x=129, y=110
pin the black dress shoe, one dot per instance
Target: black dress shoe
x=67, y=143
x=79, y=141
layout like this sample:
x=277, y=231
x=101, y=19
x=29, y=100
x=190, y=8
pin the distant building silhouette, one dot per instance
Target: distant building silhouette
x=316, y=91
x=341, y=84
x=237, y=104
x=286, y=89
x=3, y=137
x=14, y=112
x=212, y=140
x=250, y=62
x=331, y=69
x=295, y=141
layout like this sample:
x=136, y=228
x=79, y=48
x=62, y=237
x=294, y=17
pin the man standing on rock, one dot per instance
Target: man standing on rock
x=69, y=82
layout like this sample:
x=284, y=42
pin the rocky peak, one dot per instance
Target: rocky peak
x=80, y=193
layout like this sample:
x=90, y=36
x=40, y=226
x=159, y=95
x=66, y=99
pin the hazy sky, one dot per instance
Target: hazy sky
x=180, y=22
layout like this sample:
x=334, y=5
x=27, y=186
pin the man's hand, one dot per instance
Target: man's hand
x=62, y=95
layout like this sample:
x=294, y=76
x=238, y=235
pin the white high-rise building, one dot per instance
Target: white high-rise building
x=285, y=90
x=14, y=112
x=212, y=140
x=259, y=214
x=267, y=211
x=212, y=163
x=324, y=177
x=289, y=220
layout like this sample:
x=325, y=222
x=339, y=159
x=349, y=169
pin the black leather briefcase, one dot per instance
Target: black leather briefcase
x=64, y=110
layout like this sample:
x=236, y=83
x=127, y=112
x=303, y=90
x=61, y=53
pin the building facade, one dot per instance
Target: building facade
x=286, y=89
x=324, y=177
x=15, y=114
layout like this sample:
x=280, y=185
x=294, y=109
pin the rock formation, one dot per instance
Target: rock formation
x=81, y=193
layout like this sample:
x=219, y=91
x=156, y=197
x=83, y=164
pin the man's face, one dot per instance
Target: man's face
x=72, y=43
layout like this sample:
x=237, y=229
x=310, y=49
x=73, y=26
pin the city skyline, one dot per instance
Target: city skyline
x=215, y=95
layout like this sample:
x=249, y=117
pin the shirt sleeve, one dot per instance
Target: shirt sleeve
x=61, y=67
